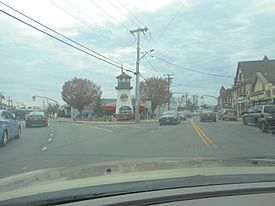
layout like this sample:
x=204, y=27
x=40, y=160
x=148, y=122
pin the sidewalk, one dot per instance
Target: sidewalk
x=70, y=120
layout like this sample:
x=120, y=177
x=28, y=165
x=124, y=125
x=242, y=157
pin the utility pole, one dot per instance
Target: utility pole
x=1, y=98
x=169, y=78
x=186, y=98
x=137, y=68
x=9, y=100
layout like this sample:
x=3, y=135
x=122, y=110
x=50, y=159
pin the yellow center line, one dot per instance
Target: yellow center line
x=200, y=135
x=205, y=137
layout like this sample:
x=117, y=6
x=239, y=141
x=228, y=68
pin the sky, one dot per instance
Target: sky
x=206, y=35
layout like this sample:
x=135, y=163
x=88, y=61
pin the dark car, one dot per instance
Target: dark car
x=36, y=119
x=182, y=116
x=169, y=117
x=256, y=112
x=263, y=116
x=208, y=115
x=9, y=127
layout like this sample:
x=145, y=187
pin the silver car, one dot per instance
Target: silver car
x=228, y=114
x=9, y=127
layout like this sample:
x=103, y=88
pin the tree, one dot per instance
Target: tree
x=52, y=109
x=155, y=89
x=79, y=93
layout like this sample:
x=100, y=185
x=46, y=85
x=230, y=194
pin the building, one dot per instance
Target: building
x=253, y=84
x=261, y=89
x=224, y=99
x=124, y=101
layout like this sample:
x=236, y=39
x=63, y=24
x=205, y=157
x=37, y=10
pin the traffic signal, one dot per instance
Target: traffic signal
x=33, y=98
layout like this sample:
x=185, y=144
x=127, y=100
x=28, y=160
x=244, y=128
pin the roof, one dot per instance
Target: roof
x=123, y=74
x=222, y=88
x=249, y=68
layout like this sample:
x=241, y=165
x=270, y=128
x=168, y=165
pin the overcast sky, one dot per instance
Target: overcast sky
x=206, y=35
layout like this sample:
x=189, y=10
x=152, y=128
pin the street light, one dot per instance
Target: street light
x=137, y=81
x=145, y=53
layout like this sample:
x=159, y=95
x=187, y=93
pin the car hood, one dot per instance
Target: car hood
x=57, y=179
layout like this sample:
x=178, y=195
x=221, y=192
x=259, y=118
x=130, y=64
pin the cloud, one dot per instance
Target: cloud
x=210, y=36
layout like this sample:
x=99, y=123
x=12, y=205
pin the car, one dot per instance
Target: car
x=182, y=116
x=256, y=112
x=36, y=119
x=9, y=127
x=208, y=115
x=229, y=114
x=169, y=117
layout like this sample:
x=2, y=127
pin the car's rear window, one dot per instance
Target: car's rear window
x=169, y=113
x=269, y=109
x=36, y=114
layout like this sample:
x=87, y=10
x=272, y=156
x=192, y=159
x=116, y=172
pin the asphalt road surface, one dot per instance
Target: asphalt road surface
x=64, y=144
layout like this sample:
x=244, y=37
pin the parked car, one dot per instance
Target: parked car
x=255, y=112
x=169, y=117
x=36, y=119
x=182, y=115
x=9, y=127
x=229, y=114
x=208, y=115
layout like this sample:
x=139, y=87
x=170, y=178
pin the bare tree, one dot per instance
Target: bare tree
x=155, y=89
x=79, y=93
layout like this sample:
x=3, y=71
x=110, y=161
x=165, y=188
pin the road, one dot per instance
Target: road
x=64, y=144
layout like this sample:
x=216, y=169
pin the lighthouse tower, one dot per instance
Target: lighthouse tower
x=124, y=102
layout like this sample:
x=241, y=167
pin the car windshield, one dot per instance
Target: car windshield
x=93, y=89
x=169, y=113
x=269, y=109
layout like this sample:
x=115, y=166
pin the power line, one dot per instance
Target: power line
x=60, y=40
x=154, y=68
x=171, y=20
x=112, y=17
x=143, y=77
x=192, y=70
x=119, y=10
x=59, y=33
x=81, y=20
x=130, y=12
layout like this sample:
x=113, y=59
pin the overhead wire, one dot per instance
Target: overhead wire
x=192, y=70
x=43, y=25
x=153, y=67
x=172, y=19
x=60, y=40
x=105, y=12
x=80, y=12
x=120, y=11
x=79, y=19
x=131, y=13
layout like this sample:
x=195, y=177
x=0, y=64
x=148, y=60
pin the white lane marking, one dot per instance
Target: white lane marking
x=152, y=131
x=44, y=148
x=25, y=168
x=99, y=128
x=51, y=134
x=49, y=140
